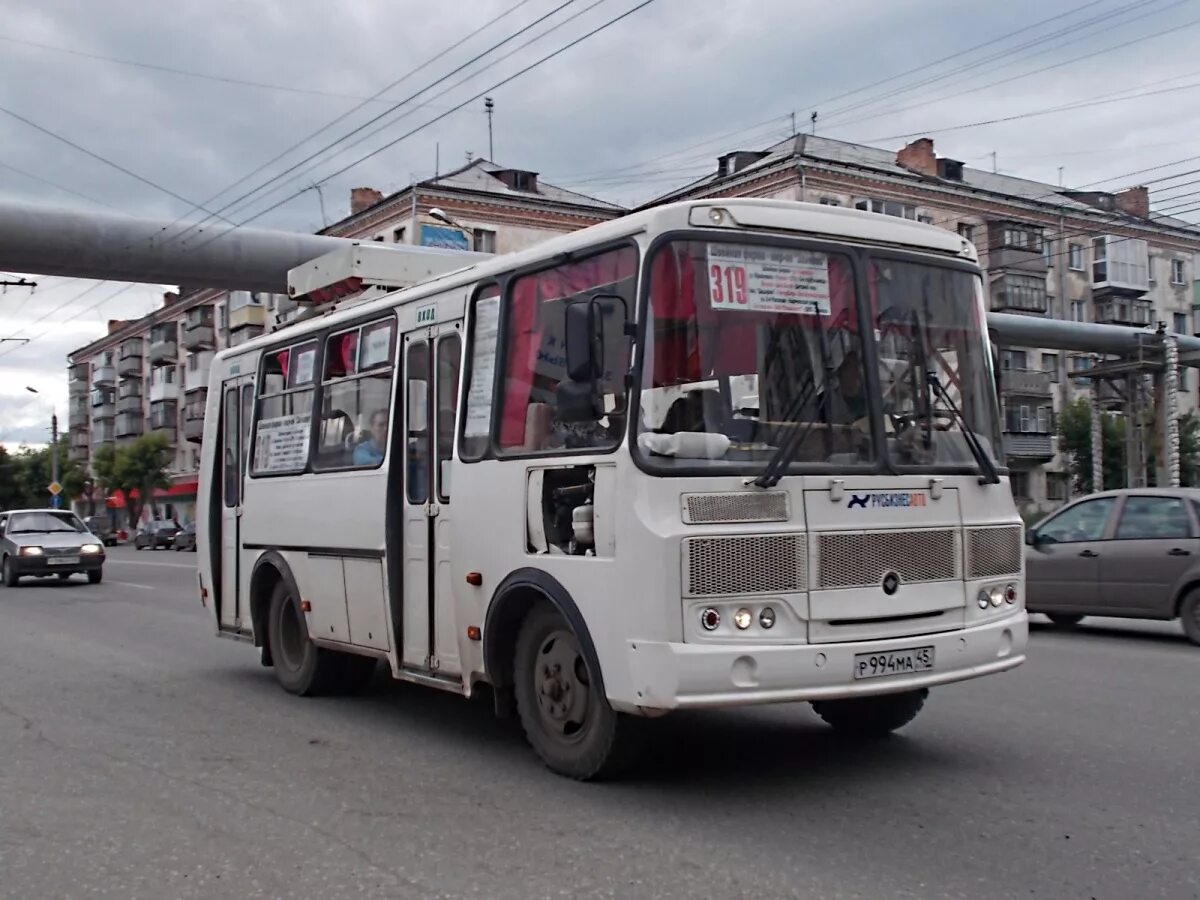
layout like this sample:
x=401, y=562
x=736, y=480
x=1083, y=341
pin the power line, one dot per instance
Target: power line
x=95, y=306
x=96, y=156
x=243, y=82
x=54, y=184
x=369, y=122
x=456, y=108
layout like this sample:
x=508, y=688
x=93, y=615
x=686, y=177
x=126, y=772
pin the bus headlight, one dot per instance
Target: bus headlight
x=742, y=619
x=997, y=595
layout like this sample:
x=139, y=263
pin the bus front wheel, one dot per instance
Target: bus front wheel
x=566, y=718
x=302, y=667
x=871, y=717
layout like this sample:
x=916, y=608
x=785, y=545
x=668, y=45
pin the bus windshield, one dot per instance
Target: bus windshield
x=754, y=356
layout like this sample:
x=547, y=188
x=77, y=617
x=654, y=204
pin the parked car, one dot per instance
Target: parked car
x=102, y=528
x=1129, y=553
x=185, y=539
x=155, y=535
x=48, y=543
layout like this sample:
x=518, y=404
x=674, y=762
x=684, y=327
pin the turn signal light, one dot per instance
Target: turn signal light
x=475, y=579
x=473, y=633
x=305, y=606
x=1010, y=593
x=710, y=619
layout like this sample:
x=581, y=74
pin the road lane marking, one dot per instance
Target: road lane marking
x=140, y=587
x=137, y=562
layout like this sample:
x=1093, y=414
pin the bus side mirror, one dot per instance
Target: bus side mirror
x=590, y=326
x=1031, y=537
x=584, y=341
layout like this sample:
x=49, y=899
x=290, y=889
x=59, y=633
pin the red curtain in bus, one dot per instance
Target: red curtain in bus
x=526, y=333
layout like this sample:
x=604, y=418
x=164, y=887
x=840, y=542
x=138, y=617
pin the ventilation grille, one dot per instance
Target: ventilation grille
x=992, y=552
x=860, y=559
x=713, y=509
x=750, y=564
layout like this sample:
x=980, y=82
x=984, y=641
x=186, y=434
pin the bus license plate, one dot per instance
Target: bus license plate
x=63, y=560
x=893, y=662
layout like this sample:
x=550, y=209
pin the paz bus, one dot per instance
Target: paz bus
x=711, y=454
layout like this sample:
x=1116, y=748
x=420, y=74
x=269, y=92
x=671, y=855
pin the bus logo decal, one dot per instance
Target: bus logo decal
x=887, y=499
x=427, y=315
x=858, y=500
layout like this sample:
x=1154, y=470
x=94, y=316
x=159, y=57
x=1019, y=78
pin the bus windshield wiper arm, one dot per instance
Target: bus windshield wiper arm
x=787, y=448
x=987, y=467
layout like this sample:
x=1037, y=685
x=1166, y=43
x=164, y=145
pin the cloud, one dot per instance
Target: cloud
x=619, y=116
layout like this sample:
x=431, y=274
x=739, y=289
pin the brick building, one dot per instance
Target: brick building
x=1087, y=256
x=151, y=374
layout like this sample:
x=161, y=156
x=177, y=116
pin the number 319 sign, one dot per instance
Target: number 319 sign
x=768, y=279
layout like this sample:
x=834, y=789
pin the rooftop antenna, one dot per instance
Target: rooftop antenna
x=489, y=106
x=1060, y=176
x=813, y=120
x=437, y=160
x=993, y=162
x=793, y=123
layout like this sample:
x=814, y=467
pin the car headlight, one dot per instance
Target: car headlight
x=91, y=549
x=31, y=551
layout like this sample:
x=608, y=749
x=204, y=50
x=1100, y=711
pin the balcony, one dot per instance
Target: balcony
x=104, y=403
x=1120, y=267
x=129, y=397
x=1028, y=447
x=129, y=426
x=130, y=361
x=1020, y=294
x=1016, y=247
x=104, y=373
x=162, y=390
x=164, y=346
x=242, y=335
x=1124, y=311
x=195, y=375
x=164, y=419
x=249, y=316
x=101, y=434
x=78, y=413
x=193, y=416
x=77, y=379
x=1026, y=383
x=79, y=454
x=198, y=331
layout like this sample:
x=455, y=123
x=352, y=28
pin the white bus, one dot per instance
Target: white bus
x=717, y=453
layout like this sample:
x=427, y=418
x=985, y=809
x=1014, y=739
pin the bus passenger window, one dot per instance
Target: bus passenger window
x=229, y=430
x=477, y=420
x=449, y=355
x=285, y=400
x=357, y=387
x=535, y=354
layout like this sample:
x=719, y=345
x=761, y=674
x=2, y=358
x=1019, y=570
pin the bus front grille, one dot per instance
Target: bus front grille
x=994, y=551
x=847, y=559
x=744, y=564
x=711, y=509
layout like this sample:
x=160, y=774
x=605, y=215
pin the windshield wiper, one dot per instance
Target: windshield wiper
x=990, y=475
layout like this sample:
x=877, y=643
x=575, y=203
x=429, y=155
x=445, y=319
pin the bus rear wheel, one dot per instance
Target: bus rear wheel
x=871, y=717
x=566, y=718
x=302, y=667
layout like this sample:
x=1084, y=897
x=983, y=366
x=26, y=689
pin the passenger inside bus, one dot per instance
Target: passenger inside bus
x=370, y=452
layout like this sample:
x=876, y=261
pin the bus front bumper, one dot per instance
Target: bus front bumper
x=689, y=676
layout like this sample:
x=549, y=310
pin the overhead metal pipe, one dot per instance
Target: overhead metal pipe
x=1015, y=330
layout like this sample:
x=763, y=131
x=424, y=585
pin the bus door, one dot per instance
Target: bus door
x=432, y=357
x=237, y=402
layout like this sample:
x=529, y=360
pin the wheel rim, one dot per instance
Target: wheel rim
x=1196, y=617
x=291, y=636
x=562, y=685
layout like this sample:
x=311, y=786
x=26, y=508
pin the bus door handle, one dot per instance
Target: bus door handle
x=1178, y=551
x=1088, y=554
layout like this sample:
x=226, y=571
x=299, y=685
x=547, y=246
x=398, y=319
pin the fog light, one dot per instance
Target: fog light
x=742, y=619
x=710, y=619
x=766, y=618
x=984, y=600
x=997, y=596
x=1010, y=593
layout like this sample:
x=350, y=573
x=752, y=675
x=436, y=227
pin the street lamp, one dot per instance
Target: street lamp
x=440, y=215
x=55, y=500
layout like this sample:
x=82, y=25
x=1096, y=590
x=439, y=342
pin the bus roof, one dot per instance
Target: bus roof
x=736, y=216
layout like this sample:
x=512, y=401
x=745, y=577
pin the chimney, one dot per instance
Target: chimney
x=363, y=198
x=918, y=157
x=169, y=297
x=1134, y=201
x=115, y=325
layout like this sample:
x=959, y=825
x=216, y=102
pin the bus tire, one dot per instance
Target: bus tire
x=871, y=717
x=301, y=667
x=565, y=716
x=1065, y=620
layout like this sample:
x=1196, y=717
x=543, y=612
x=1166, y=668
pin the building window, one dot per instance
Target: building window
x=1019, y=481
x=1050, y=364
x=1056, y=486
x=925, y=219
x=1048, y=253
x=966, y=231
x=1024, y=292
x=1078, y=311
x=398, y=235
x=222, y=322
x=1075, y=259
x=483, y=240
x=830, y=201
x=1180, y=323
x=1013, y=360
x=1150, y=270
x=1023, y=237
x=887, y=208
x=1079, y=365
x=1177, y=271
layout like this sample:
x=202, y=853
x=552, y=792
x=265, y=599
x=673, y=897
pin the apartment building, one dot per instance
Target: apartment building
x=151, y=374
x=1086, y=256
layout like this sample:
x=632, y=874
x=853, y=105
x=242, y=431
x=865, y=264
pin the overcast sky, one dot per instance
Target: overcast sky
x=639, y=108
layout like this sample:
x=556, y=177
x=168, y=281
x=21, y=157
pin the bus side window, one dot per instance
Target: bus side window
x=416, y=422
x=357, y=385
x=449, y=360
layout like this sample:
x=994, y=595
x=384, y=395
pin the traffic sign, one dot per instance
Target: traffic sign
x=54, y=488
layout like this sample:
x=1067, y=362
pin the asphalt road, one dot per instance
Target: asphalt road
x=141, y=757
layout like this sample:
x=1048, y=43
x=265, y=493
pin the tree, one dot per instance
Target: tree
x=25, y=475
x=140, y=466
x=1075, y=428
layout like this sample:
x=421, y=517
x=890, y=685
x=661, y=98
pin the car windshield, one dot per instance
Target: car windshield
x=44, y=523
x=754, y=359
x=750, y=348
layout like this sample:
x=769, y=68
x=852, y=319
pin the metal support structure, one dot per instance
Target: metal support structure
x=1167, y=462
x=1097, y=440
x=56, y=499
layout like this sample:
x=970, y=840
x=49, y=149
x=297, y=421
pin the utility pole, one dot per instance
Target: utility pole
x=56, y=499
x=793, y=123
x=813, y=120
x=489, y=106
